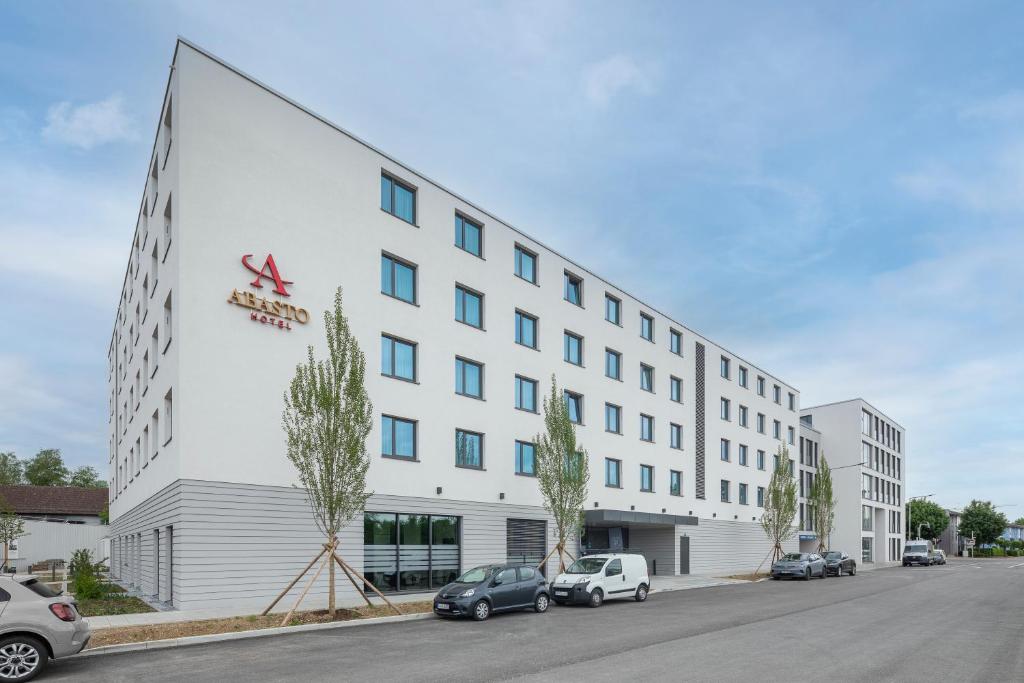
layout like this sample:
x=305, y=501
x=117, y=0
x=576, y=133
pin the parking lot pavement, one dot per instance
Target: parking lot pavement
x=960, y=622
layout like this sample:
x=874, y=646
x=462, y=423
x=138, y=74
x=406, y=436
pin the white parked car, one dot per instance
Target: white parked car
x=594, y=579
x=36, y=624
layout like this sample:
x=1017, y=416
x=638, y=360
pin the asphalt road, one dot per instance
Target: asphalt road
x=961, y=622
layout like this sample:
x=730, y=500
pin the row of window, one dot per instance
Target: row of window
x=146, y=447
x=881, y=460
x=725, y=412
x=881, y=490
x=725, y=370
x=880, y=430
x=742, y=452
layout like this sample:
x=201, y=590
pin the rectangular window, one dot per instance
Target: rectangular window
x=647, y=327
x=777, y=394
x=469, y=378
x=742, y=455
x=612, y=364
x=724, y=367
x=867, y=518
x=791, y=435
x=397, y=358
x=743, y=416
x=646, y=427
x=646, y=377
x=725, y=408
x=612, y=309
x=742, y=376
x=525, y=458
x=397, y=279
x=760, y=423
x=526, y=264
x=777, y=429
x=155, y=431
x=612, y=418
x=675, y=342
x=646, y=478
x=469, y=306
x=760, y=496
x=675, y=389
x=397, y=198
x=469, y=449
x=526, y=394
x=760, y=385
x=675, y=483
x=398, y=437
x=760, y=460
x=526, y=329
x=724, y=449
x=675, y=436
x=574, y=402
x=168, y=417
x=743, y=494
x=573, y=289
x=792, y=401
x=573, y=348
x=725, y=490
x=167, y=321
x=613, y=473
x=469, y=235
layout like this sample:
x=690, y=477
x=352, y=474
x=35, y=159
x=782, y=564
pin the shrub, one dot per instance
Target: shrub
x=84, y=574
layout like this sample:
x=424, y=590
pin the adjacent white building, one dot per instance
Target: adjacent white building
x=254, y=212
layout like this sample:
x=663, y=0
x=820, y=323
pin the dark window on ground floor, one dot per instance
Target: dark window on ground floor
x=410, y=552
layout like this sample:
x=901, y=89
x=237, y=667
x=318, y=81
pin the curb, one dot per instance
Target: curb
x=242, y=635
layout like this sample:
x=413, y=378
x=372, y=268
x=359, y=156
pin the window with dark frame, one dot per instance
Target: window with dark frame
x=397, y=198
x=469, y=235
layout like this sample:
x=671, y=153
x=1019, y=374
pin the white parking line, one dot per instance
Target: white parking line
x=1014, y=566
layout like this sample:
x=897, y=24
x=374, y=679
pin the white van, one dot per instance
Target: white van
x=593, y=579
x=918, y=551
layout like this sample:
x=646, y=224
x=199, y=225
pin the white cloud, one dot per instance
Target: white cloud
x=89, y=125
x=605, y=79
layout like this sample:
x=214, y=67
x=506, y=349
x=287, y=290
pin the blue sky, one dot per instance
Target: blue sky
x=835, y=191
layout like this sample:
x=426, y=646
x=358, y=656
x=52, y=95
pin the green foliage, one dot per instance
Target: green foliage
x=86, y=477
x=1019, y=521
x=932, y=517
x=823, y=503
x=11, y=469
x=85, y=576
x=105, y=514
x=780, y=505
x=562, y=468
x=12, y=527
x=47, y=468
x=983, y=521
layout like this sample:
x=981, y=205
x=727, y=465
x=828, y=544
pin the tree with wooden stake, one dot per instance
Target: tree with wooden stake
x=563, y=473
x=823, y=504
x=12, y=527
x=327, y=417
x=780, y=505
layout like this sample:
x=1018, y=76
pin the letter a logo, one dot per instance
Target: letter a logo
x=268, y=271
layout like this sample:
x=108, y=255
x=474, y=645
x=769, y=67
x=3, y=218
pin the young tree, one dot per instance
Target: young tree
x=12, y=527
x=780, y=504
x=823, y=504
x=327, y=417
x=981, y=520
x=10, y=469
x=87, y=477
x=563, y=473
x=46, y=469
x=1019, y=521
x=929, y=516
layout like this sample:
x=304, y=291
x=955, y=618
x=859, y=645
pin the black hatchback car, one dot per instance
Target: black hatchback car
x=837, y=563
x=493, y=588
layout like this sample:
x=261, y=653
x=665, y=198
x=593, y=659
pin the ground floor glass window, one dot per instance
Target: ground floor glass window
x=410, y=552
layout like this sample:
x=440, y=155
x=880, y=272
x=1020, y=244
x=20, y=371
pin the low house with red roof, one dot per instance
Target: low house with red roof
x=71, y=504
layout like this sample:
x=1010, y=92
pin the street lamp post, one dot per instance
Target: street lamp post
x=909, y=511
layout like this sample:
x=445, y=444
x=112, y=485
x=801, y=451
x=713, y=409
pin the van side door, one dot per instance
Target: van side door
x=615, y=582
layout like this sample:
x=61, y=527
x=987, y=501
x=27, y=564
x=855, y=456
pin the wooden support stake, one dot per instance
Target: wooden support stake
x=354, y=584
x=546, y=557
x=284, y=622
x=362, y=578
x=294, y=581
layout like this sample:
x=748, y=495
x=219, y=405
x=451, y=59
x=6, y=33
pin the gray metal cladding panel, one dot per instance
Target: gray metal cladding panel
x=698, y=422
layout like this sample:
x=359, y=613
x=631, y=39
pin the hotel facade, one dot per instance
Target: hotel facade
x=254, y=212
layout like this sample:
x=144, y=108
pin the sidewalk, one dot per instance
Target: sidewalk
x=661, y=584
x=176, y=616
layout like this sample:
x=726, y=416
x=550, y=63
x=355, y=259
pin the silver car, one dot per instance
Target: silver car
x=36, y=623
x=799, y=566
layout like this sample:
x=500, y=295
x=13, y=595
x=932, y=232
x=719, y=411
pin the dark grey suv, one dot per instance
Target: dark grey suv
x=493, y=588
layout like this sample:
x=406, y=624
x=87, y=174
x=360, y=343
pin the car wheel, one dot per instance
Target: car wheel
x=853, y=570
x=540, y=605
x=21, y=658
x=824, y=572
x=596, y=598
x=641, y=592
x=839, y=570
x=481, y=610
x=807, y=574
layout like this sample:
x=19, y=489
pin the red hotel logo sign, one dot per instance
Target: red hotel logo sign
x=276, y=314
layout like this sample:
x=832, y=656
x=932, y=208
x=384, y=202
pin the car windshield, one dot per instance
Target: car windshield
x=833, y=556
x=586, y=565
x=477, y=574
x=41, y=589
x=794, y=557
x=916, y=548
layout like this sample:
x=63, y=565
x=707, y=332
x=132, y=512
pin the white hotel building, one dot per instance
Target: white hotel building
x=463, y=320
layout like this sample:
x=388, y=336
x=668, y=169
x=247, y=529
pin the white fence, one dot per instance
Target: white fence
x=56, y=540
